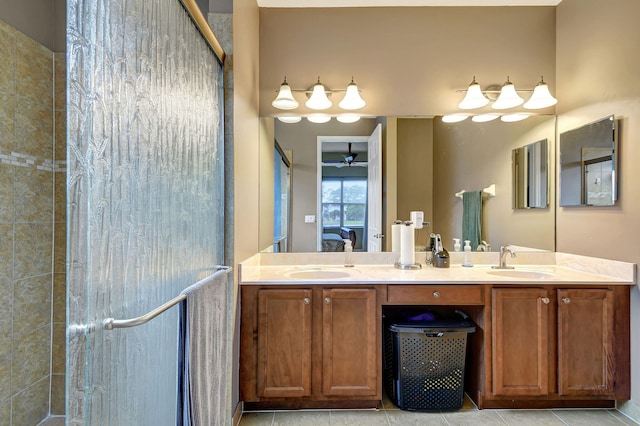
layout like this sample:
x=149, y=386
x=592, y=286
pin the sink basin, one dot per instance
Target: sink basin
x=522, y=273
x=318, y=273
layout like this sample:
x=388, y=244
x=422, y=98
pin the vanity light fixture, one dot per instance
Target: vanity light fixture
x=318, y=97
x=352, y=99
x=541, y=97
x=508, y=97
x=290, y=118
x=285, y=99
x=454, y=118
x=348, y=118
x=474, y=97
x=319, y=118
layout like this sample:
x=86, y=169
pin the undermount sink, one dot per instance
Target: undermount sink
x=319, y=273
x=522, y=273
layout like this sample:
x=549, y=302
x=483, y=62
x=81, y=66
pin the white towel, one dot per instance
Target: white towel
x=203, y=371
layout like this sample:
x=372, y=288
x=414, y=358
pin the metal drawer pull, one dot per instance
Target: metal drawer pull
x=566, y=300
x=545, y=300
x=307, y=300
x=327, y=300
x=436, y=294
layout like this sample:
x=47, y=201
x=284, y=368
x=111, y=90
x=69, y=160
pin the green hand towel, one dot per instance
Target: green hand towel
x=472, y=217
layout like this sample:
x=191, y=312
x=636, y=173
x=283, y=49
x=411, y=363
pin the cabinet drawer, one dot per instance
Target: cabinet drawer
x=435, y=294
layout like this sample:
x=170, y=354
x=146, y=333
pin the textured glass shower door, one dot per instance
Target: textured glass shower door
x=144, y=199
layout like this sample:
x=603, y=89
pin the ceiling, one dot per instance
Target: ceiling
x=383, y=3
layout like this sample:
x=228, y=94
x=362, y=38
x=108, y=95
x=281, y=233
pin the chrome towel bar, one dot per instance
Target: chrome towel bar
x=111, y=323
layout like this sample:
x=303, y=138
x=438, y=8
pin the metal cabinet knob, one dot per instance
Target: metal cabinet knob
x=566, y=300
x=307, y=300
x=327, y=300
x=436, y=294
x=545, y=300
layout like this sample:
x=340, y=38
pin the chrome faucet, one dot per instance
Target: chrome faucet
x=503, y=257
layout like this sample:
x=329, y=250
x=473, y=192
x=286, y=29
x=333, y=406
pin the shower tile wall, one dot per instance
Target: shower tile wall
x=29, y=165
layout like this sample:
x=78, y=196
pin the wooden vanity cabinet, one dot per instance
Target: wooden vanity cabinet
x=316, y=346
x=558, y=344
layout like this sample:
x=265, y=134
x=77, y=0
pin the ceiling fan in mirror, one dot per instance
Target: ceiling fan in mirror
x=348, y=159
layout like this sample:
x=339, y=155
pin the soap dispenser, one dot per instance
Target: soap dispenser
x=456, y=244
x=466, y=260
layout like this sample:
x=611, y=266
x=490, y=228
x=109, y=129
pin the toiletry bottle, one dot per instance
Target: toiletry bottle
x=456, y=244
x=348, y=249
x=466, y=260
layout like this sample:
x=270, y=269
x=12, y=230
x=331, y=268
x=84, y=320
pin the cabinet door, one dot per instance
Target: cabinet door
x=520, y=359
x=284, y=343
x=585, y=342
x=349, y=342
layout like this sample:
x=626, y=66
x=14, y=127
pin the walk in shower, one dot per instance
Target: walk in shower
x=108, y=219
x=32, y=212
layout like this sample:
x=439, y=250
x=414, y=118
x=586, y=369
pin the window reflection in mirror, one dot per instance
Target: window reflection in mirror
x=531, y=176
x=588, y=164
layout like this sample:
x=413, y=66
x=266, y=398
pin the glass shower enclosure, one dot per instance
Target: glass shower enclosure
x=144, y=199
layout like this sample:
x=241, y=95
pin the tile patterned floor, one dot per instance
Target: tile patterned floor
x=390, y=415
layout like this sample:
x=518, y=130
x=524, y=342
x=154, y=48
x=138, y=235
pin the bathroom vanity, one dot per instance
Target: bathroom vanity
x=553, y=333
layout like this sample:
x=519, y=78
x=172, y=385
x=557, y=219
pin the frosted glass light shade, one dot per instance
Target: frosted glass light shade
x=541, y=97
x=352, y=99
x=454, y=118
x=508, y=98
x=512, y=118
x=285, y=99
x=319, y=118
x=290, y=119
x=348, y=118
x=483, y=118
x=474, y=97
x=318, y=99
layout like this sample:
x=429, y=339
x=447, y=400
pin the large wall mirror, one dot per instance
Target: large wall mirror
x=588, y=164
x=530, y=168
x=433, y=161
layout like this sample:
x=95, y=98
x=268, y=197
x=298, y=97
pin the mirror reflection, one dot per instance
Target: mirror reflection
x=530, y=176
x=588, y=164
x=425, y=162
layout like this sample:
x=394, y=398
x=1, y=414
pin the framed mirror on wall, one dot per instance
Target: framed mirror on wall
x=589, y=163
x=530, y=168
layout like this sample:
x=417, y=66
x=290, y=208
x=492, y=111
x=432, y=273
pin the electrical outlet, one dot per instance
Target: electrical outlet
x=309, y=218
x=417, y=217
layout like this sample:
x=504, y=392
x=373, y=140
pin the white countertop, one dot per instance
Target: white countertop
x=378, y=268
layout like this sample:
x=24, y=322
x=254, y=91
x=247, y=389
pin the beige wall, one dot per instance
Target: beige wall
x=597, y=75
x=246, y=129
x=407, y=61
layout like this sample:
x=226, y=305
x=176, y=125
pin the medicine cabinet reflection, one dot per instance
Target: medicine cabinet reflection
x=531, y=176
x=588, y=164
